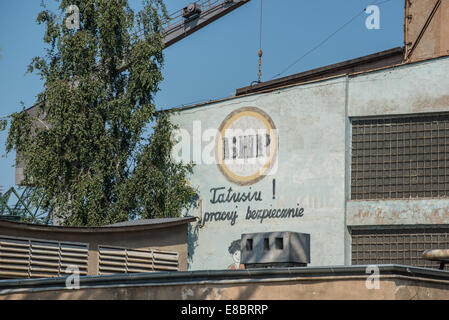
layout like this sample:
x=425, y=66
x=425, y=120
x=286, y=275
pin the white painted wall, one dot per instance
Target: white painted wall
x=311, y=122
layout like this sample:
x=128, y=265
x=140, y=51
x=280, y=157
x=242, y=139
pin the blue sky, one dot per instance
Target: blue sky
x=216, y=60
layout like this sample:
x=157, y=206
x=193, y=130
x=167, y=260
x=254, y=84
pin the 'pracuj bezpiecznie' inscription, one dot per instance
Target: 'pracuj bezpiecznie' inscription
x=221, y=195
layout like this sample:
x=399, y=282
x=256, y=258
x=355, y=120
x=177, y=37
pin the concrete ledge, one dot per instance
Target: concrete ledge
x=336, y=282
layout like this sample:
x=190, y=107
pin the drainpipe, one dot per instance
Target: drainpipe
x=347, y=236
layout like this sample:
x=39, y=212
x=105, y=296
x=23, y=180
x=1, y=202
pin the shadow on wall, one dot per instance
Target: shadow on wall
x=247, y=293
x=192, y=232
x=192, y=243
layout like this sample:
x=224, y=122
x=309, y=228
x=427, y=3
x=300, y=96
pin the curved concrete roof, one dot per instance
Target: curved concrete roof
x=118, y=227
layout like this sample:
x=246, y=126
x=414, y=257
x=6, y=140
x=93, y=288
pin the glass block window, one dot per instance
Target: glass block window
x=398, y=246
x=400, y=157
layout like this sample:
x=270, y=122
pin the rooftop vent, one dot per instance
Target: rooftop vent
x=275, y=249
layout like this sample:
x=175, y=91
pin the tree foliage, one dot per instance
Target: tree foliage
x=97, y=160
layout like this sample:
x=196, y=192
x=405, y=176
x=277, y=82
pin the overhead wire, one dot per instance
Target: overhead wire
x=326, y=39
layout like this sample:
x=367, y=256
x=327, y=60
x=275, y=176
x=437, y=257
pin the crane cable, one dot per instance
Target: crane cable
x=259, y=75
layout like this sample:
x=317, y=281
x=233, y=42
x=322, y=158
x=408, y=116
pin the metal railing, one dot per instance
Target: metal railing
x=177, y=19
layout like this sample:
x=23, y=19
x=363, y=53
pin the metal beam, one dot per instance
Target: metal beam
x=179, y=27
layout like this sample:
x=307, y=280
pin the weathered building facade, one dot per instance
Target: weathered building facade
x=355, y=154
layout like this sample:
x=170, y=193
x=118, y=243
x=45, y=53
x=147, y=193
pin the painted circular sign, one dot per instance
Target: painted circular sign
x=246, y=146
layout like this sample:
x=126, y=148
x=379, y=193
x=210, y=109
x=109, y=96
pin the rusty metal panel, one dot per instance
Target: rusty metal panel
x=425, y=28
x=397, y=245
x=400, y=157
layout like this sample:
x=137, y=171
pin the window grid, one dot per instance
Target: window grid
x=400, y=158
x=397, y=246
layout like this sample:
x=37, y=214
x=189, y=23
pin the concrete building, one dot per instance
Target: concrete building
x=355, y=154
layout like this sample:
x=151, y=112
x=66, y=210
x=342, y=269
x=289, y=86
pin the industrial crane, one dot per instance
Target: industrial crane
x=195, y=16
x=182, y=23
x=192, y=18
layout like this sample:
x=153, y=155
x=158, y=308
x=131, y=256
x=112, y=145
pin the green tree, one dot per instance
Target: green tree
x=103, y=155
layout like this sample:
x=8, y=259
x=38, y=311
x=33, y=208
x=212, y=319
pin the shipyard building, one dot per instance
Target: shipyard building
x=355, y=154
x=335, y=168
